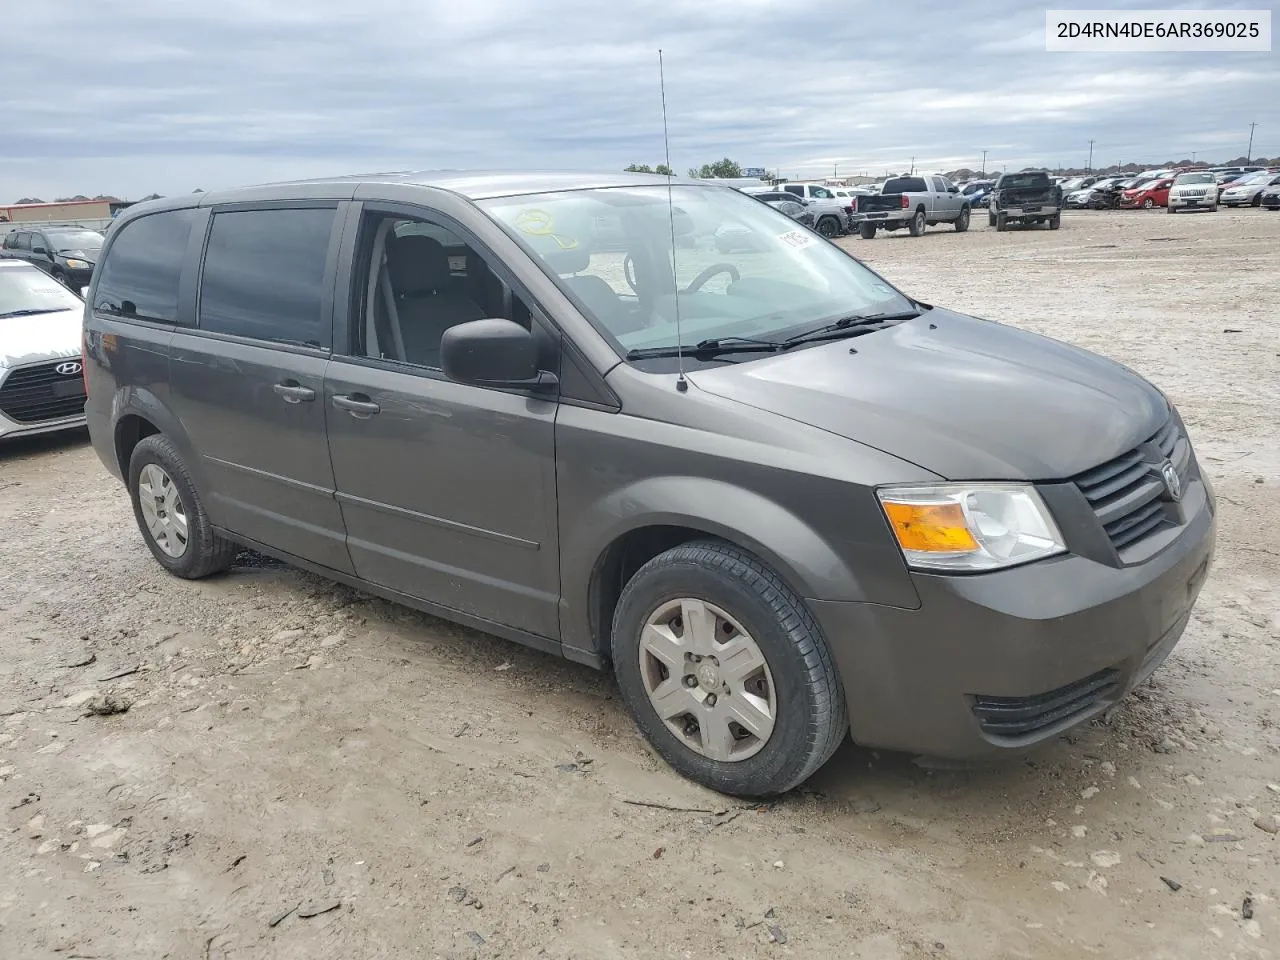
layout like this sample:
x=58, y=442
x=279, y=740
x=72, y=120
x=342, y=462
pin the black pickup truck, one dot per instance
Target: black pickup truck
x=1027, y=197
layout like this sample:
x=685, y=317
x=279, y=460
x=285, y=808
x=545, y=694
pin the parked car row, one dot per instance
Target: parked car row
x=1175, y=190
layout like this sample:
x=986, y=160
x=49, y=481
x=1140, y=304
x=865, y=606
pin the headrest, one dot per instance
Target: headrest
x=567, y=261
x=417, y=264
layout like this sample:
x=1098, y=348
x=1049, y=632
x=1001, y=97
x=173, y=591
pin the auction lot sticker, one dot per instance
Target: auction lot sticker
x=1137, y=31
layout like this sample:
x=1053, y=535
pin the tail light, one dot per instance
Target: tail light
x=853, y=205
x=849, y=209
x=906, y=202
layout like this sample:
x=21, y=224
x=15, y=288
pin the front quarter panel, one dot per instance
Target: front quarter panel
x=799, y=498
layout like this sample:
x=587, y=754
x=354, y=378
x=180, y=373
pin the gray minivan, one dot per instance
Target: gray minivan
x=783, y=501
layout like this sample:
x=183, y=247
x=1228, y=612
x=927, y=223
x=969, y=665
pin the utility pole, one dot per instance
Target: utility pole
x=984, y=164
x=1089, y=168
x=913, y=159
x=1249, y=153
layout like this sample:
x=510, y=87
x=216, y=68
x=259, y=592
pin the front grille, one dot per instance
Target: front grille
x=1127, y=493
x=1020, y=716
x=1193, y=193
x=39, y=392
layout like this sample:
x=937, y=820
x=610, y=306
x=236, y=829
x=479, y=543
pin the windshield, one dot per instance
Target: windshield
x=741, y=268
x=1194, y=178
x=85, y=240
x=25, y=289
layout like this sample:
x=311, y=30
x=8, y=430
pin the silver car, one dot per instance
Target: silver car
x=1247, y=192
x=41, y=385
x=1194, y=190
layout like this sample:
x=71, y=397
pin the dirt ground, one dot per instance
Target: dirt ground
x=306, y=772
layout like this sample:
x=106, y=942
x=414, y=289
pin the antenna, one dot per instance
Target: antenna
x=681, y=383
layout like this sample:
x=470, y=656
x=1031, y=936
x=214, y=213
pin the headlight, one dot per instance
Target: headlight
x=75, y=264
x=970, y=526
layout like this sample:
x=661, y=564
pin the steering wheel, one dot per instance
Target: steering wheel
x=696, y=284
x=629, y=273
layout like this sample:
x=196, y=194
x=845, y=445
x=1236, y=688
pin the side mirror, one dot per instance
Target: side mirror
x=84, y=292
x=493, y=353
x=953, y=189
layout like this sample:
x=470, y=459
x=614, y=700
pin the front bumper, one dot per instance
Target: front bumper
x=78, y=278
x=1047, y=645
x=11, y=431
x=1191, y=203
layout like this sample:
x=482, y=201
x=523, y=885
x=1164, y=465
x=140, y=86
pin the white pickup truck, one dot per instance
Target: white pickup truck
x=914, y=202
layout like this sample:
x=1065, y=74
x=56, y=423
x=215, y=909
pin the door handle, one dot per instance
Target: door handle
x=293, y=392
x=357, y=404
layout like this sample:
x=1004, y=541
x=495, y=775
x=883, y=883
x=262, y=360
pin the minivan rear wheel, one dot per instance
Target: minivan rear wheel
x=171, y=514
x=726, y=672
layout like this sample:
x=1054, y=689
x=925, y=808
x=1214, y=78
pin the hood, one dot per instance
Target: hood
x=89, y=255
x=964, y=398
x=45, y=336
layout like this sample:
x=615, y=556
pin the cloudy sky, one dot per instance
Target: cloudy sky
x=134, y=96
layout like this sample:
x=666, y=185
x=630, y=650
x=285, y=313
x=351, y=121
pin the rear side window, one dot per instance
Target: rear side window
x=821, y=193
x=904, y=185
x=22, y=241
x=796, y=189
x=140, y=275
x=264, y=274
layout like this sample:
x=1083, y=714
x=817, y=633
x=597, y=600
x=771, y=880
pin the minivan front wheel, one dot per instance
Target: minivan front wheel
x=171, y=514
x=726, y=672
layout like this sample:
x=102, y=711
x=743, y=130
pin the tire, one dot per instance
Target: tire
x=203, y=552
x=1171, y=209
x=797, y=673
x=1002, y=222
x=1055, y=221
x=1256, y=201
x=962, y=221
x=991, y=219
x=1148, y=203
x=867, y=231
x=917, y=223
x=829, y=227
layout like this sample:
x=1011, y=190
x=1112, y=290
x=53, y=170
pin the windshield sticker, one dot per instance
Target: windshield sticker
x=539, y=223
x=796, y=238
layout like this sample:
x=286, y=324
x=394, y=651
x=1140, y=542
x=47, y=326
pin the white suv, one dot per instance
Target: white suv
x=1196, y=190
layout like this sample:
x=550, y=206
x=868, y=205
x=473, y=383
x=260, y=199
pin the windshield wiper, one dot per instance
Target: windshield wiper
x=853, y=326
x=31, y=313
x=710, y=347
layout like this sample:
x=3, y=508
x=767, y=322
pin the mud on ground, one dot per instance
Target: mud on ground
x=305, y=772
